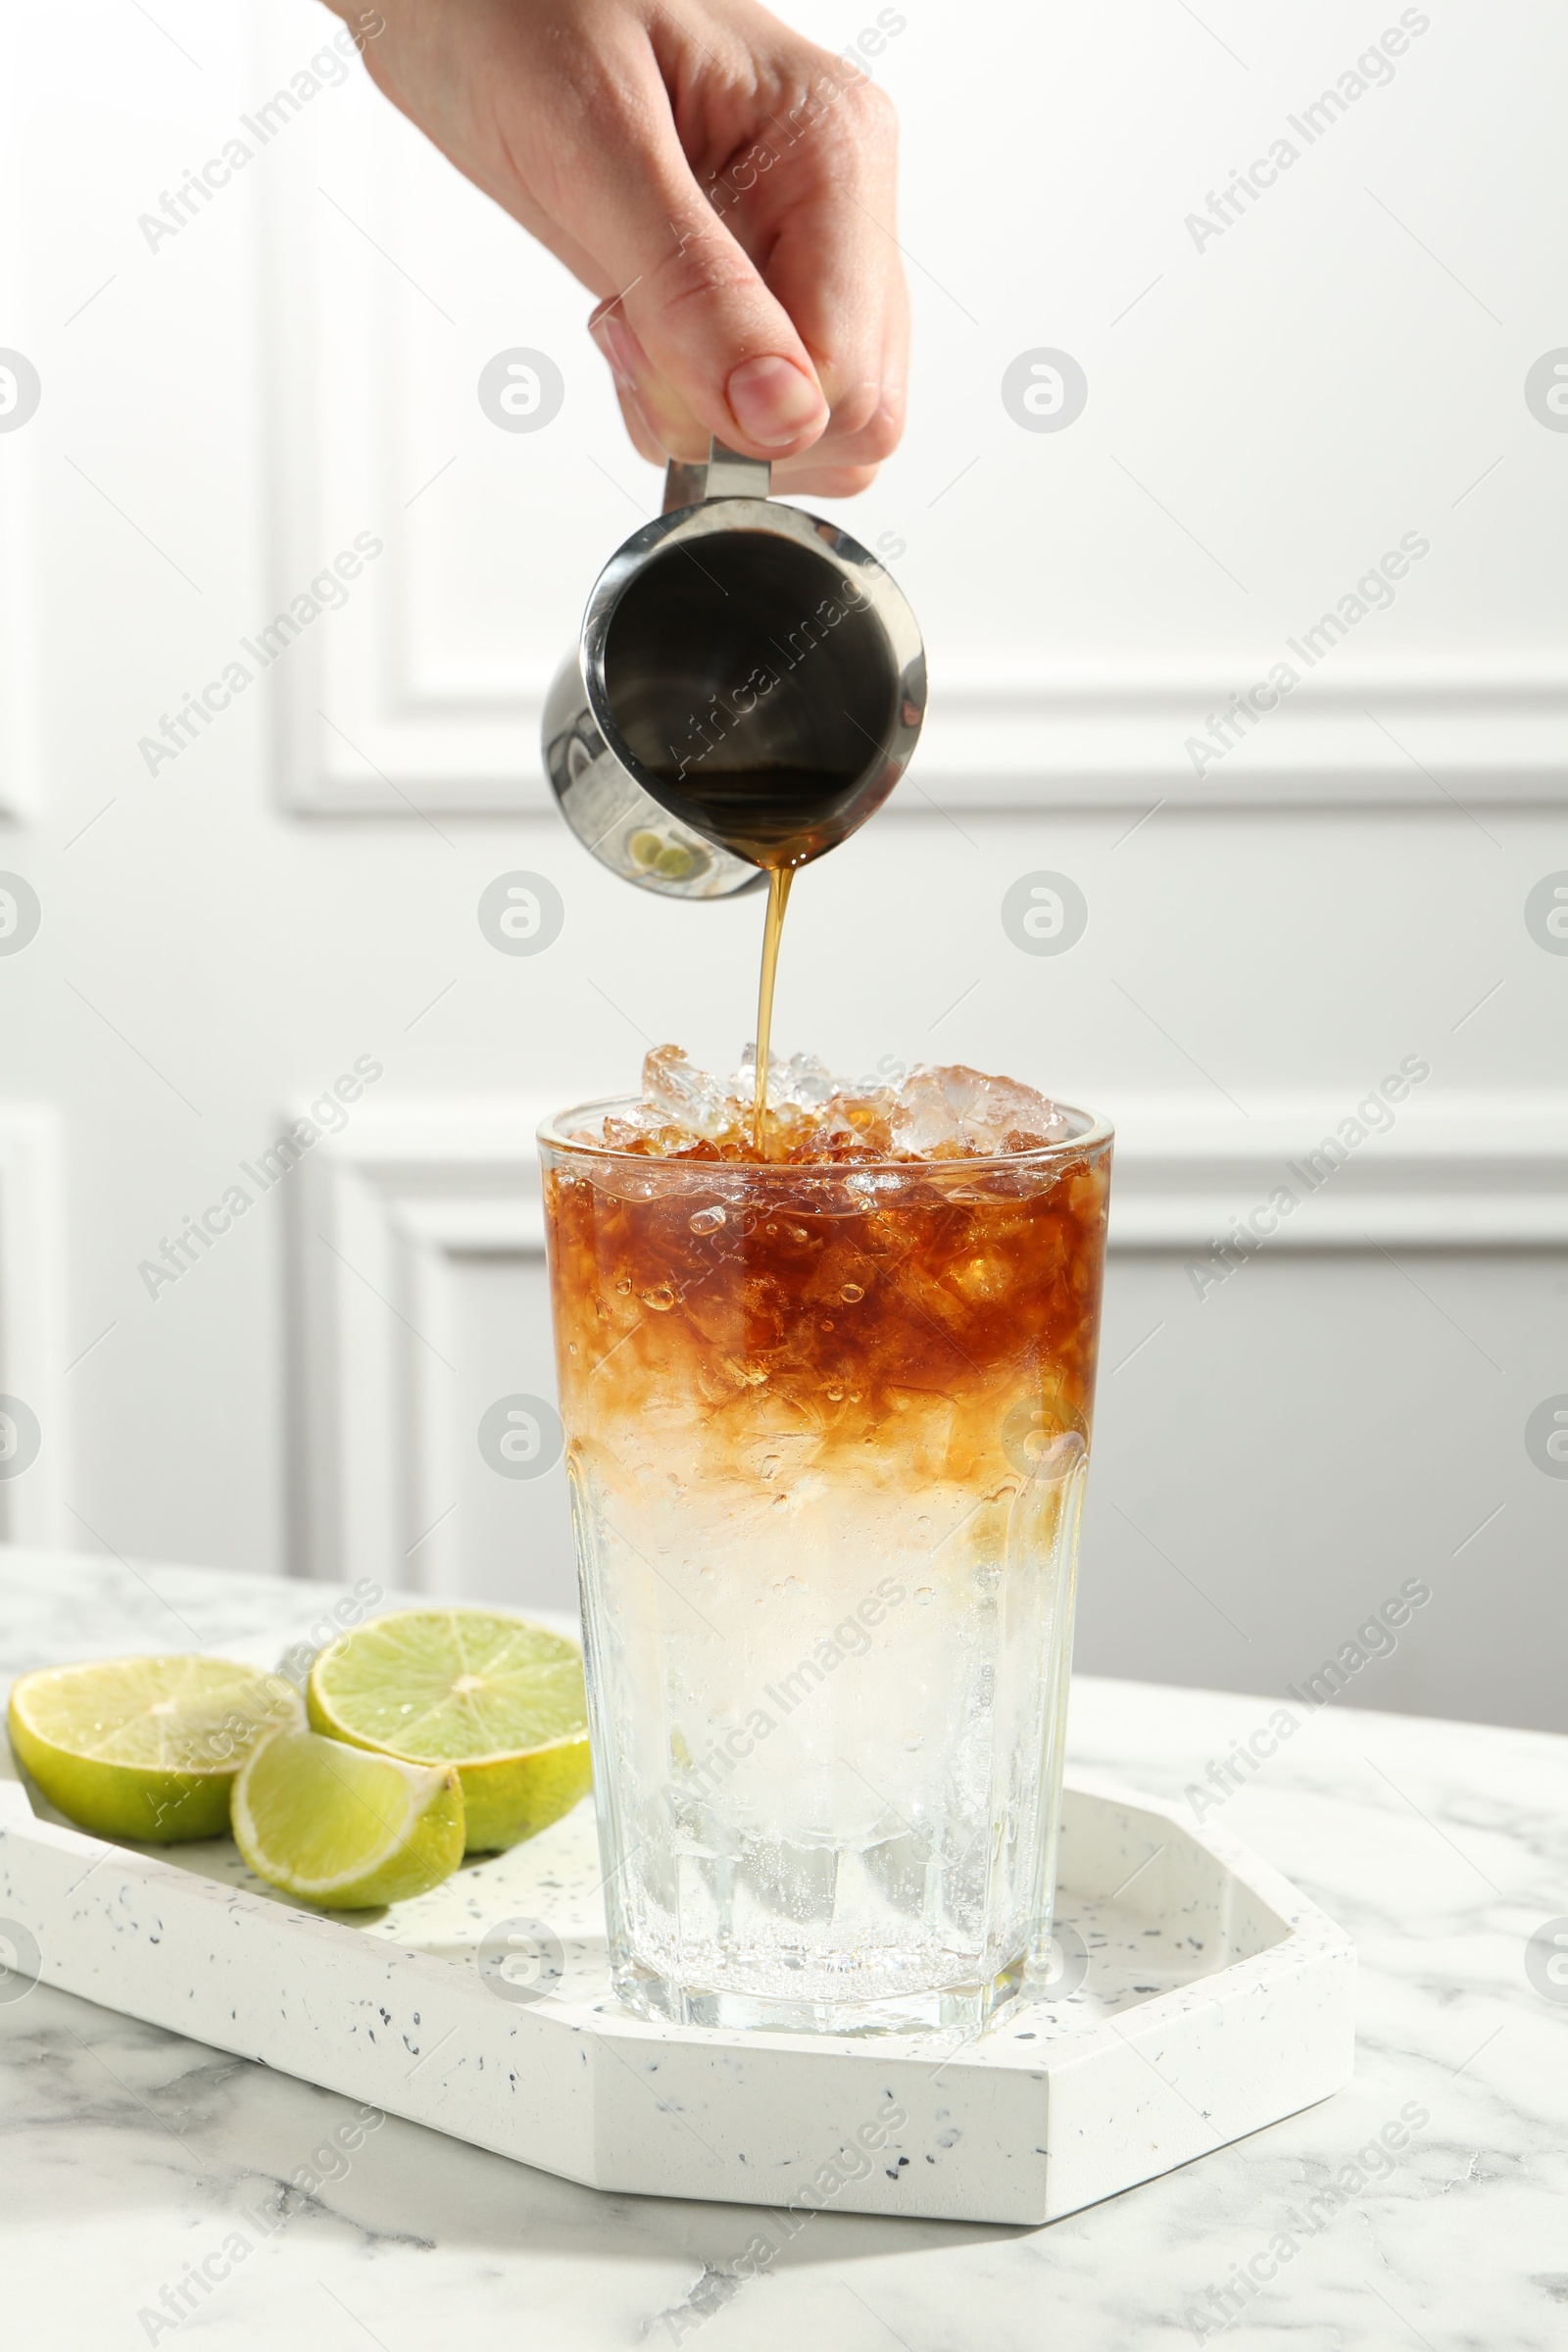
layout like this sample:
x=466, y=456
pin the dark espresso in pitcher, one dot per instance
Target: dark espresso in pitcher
x=748, y=682
x=774, y=816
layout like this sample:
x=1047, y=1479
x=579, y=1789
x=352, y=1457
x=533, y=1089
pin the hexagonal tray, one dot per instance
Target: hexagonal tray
x=1201, y=1999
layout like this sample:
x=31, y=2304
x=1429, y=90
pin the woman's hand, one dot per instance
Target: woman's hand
x=721, y=184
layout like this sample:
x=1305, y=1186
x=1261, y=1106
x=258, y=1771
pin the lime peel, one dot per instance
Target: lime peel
x=342, y=1827
x=497, y=1698
x=145, y=1748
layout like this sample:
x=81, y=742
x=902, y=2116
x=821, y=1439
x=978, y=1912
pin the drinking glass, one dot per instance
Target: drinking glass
x=827, y=1427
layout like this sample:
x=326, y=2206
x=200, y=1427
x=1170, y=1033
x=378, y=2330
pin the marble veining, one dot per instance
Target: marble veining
x=135, y=2158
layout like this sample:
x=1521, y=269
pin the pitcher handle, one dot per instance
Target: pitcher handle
x=724, y=473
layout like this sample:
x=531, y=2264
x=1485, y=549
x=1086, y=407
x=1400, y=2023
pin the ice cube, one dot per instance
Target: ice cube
x=802, y=1081
x=923, y=1119
x=684, y=1096
x=989, y=1110
x=860, y=1121
x=629, y=1129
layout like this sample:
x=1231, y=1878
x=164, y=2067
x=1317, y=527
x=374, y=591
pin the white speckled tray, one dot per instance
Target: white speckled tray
x=1202, y=1998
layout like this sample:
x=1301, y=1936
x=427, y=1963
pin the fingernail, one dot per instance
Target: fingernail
x=773, y=401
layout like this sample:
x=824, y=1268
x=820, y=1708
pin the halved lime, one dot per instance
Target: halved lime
x=339, y=1827
x=501, y=1699
x=145, y=1748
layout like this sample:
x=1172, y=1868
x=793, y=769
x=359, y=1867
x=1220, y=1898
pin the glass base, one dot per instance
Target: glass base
x=958, y=2011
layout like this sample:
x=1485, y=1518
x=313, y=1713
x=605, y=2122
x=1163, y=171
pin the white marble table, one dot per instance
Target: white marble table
x=129, y=2159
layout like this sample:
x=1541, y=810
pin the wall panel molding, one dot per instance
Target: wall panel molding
x=1451, y=1171
x=383, y=1215
x=1014, y=744
x=21, y=717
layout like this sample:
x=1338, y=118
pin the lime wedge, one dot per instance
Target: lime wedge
x=145, y=1748
x=501, y=1699
x=342, y=1827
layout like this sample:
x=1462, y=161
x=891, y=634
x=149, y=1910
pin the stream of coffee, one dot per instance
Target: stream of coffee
x=778, y=898
x=779, y=818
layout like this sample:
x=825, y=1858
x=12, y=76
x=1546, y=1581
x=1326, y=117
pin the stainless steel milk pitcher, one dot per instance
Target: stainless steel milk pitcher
x=732, y=633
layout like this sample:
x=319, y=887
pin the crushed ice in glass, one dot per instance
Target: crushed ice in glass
x=924, y=1112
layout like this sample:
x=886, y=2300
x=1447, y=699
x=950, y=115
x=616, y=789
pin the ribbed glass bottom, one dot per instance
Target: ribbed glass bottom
x=960, y=2010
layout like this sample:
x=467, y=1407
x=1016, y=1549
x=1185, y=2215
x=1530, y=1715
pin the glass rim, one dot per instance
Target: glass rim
x=1093, y=1132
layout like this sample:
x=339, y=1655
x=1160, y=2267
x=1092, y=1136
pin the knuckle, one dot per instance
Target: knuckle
x=701, y=269
x=873, y=111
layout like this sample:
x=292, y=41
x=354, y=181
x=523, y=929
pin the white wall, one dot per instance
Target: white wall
x=1344, y=365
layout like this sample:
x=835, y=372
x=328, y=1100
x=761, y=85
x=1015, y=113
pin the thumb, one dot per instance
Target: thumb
x=694, y=336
